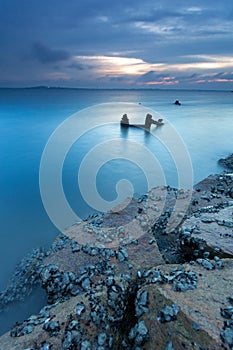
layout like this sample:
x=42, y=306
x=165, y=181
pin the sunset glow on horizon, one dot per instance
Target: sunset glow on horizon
x=124, y=45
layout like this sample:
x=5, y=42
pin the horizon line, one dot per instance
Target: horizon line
x=45, y=87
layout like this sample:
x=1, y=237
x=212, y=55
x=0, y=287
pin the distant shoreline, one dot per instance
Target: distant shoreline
x=43, y=87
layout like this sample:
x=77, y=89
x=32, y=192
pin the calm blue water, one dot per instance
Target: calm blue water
x=29, y=117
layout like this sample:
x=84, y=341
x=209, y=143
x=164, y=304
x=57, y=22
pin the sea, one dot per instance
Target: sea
x=48, y=135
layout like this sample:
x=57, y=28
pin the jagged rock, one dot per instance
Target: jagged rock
x=141, y=303
x=138, y=334
x=46, y=346
x=168, y=313
x=102, y=337
x=227, y=336
x=52, y=328
x=227, y=162
x=212, y=194
x=24, y=278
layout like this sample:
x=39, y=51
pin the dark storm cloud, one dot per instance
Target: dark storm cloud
x=45, y=54
x=78, y=66
x=151, y=75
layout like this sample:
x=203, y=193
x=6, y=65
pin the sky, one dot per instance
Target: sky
x=175, y=44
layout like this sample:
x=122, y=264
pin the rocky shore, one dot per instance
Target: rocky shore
x=161, y=286
x=227, y=162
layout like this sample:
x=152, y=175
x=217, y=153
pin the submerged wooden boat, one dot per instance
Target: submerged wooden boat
x=157, y=123
x=133, y=125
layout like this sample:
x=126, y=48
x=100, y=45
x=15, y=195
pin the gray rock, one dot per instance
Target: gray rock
x=227, y=312
x=120, y=257
x=170, y=346
x=86, y=284
x=67, y=341
x=206, y=263
x=227, y=336
x=86, y=345
x=206, y=221
x=141, y=303
x=46, y=346
x=138, y=334
x=73, y=325
x=21, y=330
x=79, y=309
x=102, y=337
x=53, y=328
x=183, y=280
x=168, y=313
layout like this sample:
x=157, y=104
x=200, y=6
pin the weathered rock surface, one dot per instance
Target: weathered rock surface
x=214, y=230
x=202, y=305
x=127, y=259
x=125, y=224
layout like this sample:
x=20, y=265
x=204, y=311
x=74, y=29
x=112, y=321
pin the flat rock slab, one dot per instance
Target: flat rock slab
x=144, y=254
x=215, y=229
x=202, y=305
x=132, y=219
x=180, y=333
